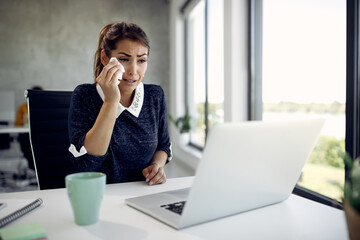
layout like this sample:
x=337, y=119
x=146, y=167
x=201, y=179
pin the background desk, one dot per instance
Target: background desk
x=13, y=129
x=295, y=218
x=13, y=161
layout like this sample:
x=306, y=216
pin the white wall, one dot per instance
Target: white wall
x=52, y=43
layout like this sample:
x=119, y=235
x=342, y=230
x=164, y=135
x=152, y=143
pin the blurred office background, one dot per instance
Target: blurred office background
x=217, y=60
x=52, y=44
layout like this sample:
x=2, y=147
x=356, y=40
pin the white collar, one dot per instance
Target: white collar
x=136, y=104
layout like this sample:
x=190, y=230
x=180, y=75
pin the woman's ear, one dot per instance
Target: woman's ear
x=103, y=58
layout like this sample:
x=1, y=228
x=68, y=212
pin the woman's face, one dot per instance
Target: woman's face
x=133, y=56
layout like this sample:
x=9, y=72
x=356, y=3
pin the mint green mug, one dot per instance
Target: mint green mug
x=86, y=191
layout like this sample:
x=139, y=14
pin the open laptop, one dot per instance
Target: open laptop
x=245, y=165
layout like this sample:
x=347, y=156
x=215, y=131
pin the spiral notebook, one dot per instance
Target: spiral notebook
x=17, y=209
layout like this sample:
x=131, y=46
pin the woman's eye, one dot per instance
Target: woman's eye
x=123, y=59
x=142, y=60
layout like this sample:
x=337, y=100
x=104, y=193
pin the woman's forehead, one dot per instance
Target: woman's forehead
x=131, y=47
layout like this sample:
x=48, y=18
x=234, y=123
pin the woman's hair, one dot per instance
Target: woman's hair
x=111, y=34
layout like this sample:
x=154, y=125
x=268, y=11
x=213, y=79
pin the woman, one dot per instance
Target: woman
x=117, y=127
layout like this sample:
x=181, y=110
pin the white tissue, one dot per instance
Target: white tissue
x=122, y=69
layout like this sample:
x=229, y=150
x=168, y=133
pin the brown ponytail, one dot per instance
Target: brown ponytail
x=110, y=34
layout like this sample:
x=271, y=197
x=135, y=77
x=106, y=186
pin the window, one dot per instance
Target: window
x=204, y=68
x=302, y=74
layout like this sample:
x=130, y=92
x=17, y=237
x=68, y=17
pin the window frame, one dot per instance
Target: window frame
x=206, y=103
x=187, y=103
x=352, y=139
x=352, y=114
x=188, y=7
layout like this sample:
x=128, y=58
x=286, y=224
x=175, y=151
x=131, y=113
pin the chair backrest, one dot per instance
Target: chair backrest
x=48, y=121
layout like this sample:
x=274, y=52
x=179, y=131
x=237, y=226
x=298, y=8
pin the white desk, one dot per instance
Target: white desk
x=295, y=218
x=13, y=129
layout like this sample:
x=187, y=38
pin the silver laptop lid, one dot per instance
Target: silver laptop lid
x=247, y=165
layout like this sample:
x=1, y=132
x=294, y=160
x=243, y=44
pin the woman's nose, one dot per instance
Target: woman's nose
x=131, y=69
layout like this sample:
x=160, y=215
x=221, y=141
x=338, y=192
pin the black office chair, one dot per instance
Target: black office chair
x=48, y=120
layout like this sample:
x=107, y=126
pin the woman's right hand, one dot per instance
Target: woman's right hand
x=108, y=81
x=97, y=139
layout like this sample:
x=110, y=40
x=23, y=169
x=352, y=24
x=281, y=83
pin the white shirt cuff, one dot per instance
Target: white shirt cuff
x=76, y=153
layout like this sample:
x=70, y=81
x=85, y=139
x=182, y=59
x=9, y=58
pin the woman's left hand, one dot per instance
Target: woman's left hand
x=154, y=174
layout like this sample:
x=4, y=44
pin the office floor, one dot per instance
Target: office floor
x=16, y=177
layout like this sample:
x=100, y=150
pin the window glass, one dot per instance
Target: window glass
x=304, y=76
x=204, y=64
x=195, y=65
x=215, y=62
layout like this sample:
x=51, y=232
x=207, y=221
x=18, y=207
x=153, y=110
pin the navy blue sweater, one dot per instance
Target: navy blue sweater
x=134, y=140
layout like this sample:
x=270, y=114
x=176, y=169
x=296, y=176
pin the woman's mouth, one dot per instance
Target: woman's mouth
x=129, y=80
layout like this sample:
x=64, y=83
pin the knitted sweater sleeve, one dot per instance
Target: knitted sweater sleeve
x=164, y=143
x=82, y=116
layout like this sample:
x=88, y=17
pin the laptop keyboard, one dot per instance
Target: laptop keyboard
x=176, y=207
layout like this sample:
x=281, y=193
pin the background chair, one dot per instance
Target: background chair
x=48, y=121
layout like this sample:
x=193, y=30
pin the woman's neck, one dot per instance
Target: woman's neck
x=127, y=98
